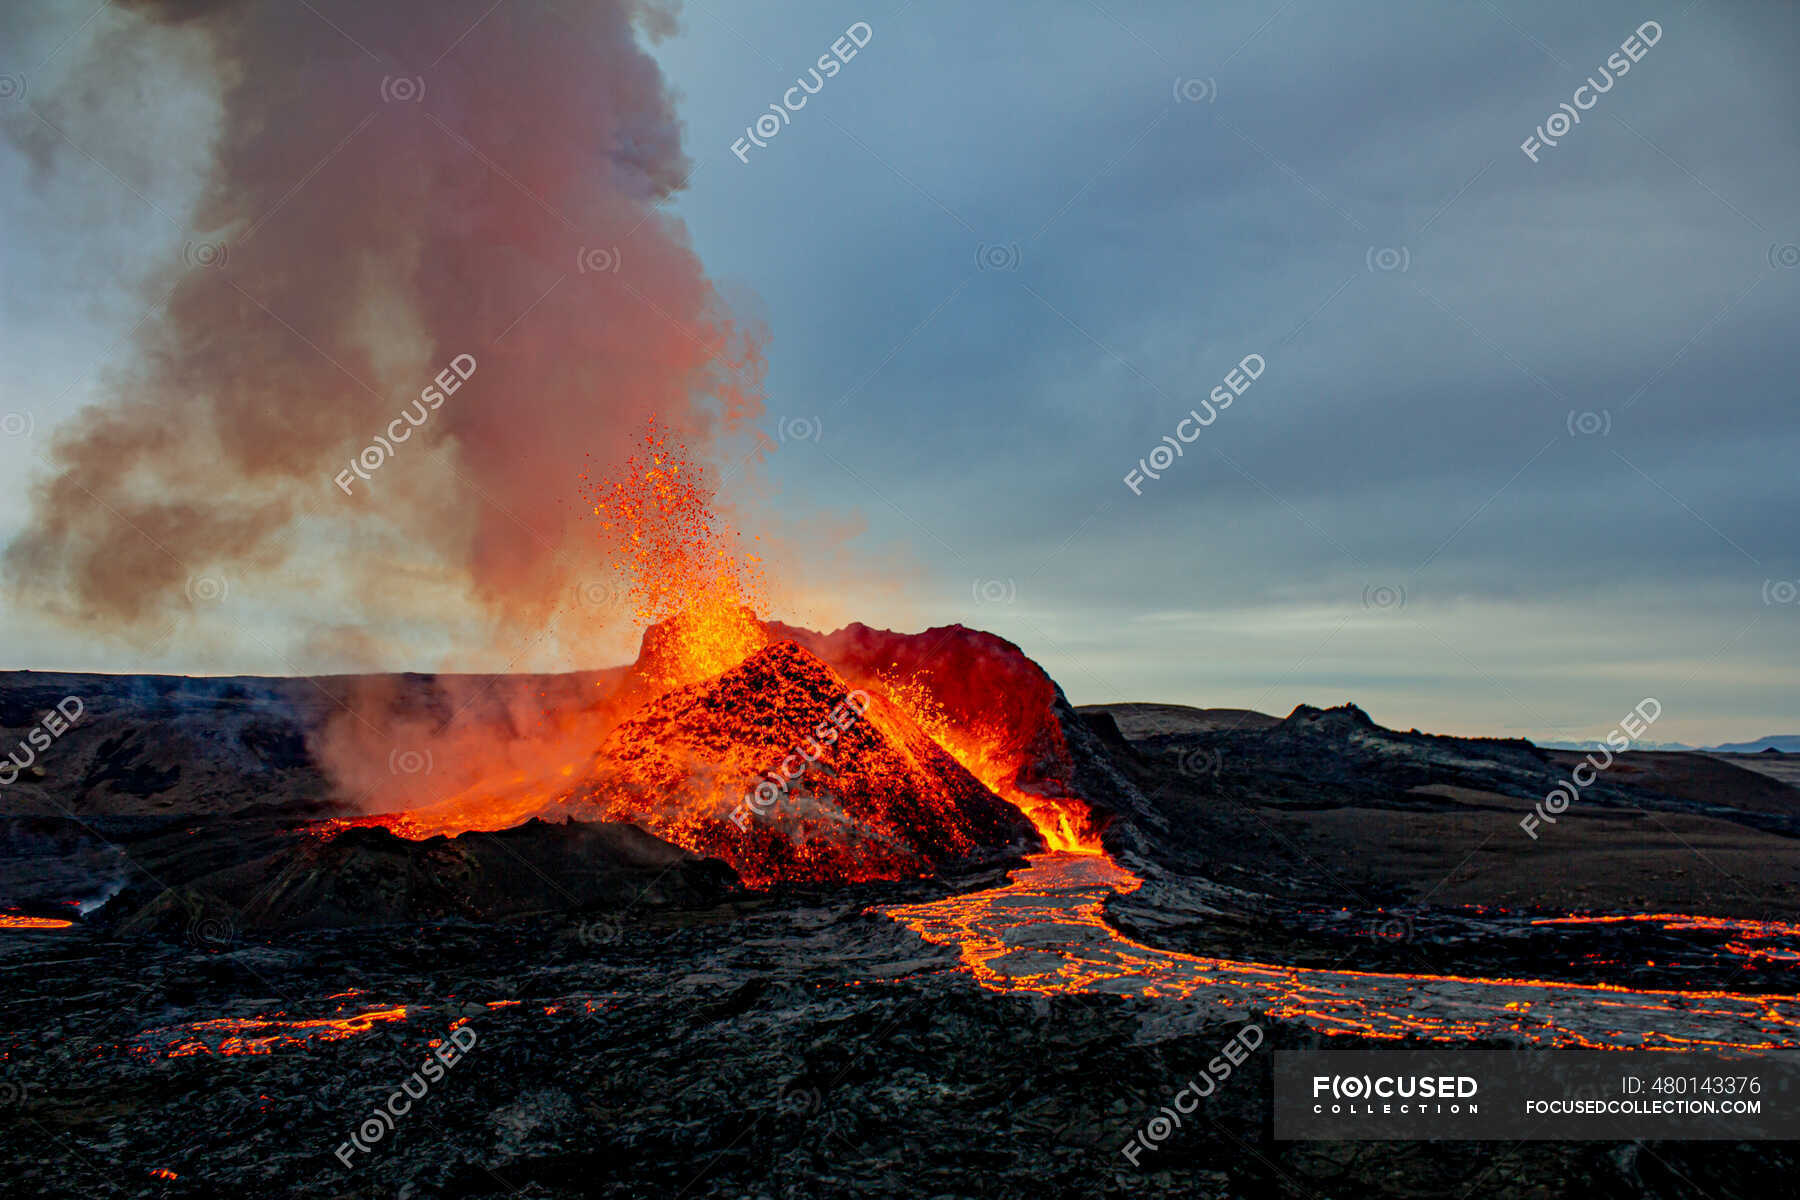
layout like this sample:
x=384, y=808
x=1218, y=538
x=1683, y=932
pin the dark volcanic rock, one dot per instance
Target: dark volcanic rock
x=368, y=876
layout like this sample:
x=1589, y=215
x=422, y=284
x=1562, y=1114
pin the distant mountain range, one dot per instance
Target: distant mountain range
x=1787, y=743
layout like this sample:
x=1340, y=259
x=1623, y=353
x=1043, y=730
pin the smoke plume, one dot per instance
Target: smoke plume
x=399, y=198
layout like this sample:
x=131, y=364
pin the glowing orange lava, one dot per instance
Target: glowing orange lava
x=15, y=921
x=700, y=724
x=263, y=1035
x=1747, y=941
x=1045, y=932
x=1064, y=823
x=688, y=577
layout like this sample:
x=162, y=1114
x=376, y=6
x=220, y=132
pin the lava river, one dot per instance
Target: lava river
x=1045, y=932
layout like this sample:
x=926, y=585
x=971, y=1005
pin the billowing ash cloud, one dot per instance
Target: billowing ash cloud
x=393, y=188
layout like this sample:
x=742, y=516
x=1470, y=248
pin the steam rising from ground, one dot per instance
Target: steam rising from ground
x=390, y=186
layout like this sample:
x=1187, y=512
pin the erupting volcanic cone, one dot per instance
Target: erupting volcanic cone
x=782, y=769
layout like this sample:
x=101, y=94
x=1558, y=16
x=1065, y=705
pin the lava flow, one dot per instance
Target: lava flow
x=260, y=1035
x=17, y=921
x=1046, y=932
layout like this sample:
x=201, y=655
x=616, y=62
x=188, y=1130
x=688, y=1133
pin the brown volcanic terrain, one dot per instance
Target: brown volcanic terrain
x=1334, y=811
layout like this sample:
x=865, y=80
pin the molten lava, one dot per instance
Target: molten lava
x=260, y=1035
x=1046, y=932
x=689, y=581
x=953, y=743
x=782, y=769
x=16, y=921
x=1064, y=822
x=1748, y=938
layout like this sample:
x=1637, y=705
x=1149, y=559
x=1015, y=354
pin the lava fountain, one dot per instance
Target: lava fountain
x=729, y=735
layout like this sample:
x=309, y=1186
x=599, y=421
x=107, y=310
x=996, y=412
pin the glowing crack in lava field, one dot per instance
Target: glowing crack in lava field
x=640, y=599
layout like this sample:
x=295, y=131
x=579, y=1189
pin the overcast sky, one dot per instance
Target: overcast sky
x=1522, y=452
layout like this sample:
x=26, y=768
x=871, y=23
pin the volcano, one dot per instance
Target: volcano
x=786, y=771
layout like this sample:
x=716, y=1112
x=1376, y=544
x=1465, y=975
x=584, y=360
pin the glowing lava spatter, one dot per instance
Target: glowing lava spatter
x=688, y=578
x=717, y=701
